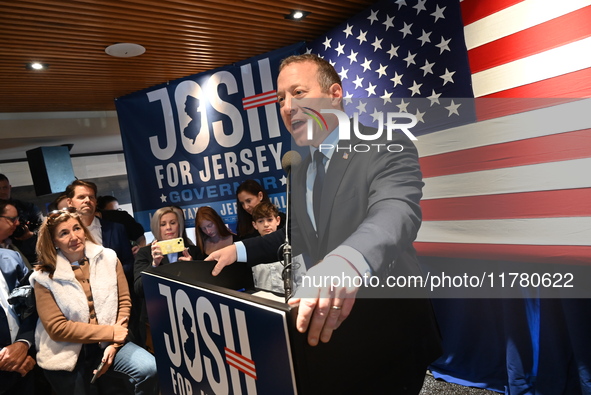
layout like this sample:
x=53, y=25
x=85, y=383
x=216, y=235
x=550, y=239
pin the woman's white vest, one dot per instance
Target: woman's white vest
x=71, y=299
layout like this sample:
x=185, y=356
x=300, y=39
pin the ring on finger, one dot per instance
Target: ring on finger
x=336, y=307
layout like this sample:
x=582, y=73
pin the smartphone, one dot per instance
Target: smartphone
x=173, y=245
x=98, y=369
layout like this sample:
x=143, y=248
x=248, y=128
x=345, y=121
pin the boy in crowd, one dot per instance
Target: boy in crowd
x=267, y=276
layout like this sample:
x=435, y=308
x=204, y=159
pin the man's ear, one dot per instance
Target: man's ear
x=254, y=224
x=336, y=93
x=278, y=219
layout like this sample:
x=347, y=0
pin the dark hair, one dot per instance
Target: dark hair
x=3, y=204
x=327, y=75
x=244, y=226
x=265, y=210
x=79, y=183
x=3, y=177
x=208, y=214
x=102, y=201
x=53, y=205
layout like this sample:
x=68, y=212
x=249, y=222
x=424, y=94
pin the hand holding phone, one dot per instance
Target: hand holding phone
x=170, y=246
x=98, y=369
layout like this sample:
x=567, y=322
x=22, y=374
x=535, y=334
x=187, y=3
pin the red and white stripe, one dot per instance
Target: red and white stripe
x=240, y=362
x=260, y=100
x=517, y=184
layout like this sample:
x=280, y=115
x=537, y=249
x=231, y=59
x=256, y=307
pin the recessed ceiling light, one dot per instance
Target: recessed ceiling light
x=37, y=66
x=297, y=15
x=125, y=50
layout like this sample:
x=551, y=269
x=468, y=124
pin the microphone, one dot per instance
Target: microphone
x=291, y=158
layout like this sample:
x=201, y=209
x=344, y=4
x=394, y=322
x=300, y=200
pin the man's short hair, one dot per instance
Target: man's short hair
x=3, y=178
x=327, y=75
x=80, y=183
x=264, y=210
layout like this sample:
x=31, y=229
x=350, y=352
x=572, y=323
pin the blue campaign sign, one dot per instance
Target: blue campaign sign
x=192, y=141
x=207, y=342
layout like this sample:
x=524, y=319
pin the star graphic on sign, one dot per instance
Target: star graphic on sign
x=348, y=31
x=361, y=36
x=163, y=198
x=447, y=77
x=434, y=98
x=381, y=70
x=373, y=17
x=377, y=115
x=343, y=73
x=361, y=107
x=415, y=88
x=393, y=51
x=420, y=6
x=388, y=23
x=410, y=59
x=366, y=65
x=443, y=45
x=348, y=98
x=358, y=82
x=283, y=180
x=424, y=37
x=406, y=30
x=386, y=96
x=438, y=13
x=327, y=43
x=340, y=49
x=371, y=89
x=397, y=80
x=403, y=105
x=453, y=108
x=377, y=44
x=419, y=116
x=352, y=57
x=427, y=68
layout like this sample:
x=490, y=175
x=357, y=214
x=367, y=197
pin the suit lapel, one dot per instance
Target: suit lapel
x=299, y=209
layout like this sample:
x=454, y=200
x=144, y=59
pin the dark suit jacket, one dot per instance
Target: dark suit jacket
x=115, y=238
x=370, y=202
x=14, y=270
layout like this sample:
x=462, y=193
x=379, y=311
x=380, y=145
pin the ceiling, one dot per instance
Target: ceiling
x=181, y=37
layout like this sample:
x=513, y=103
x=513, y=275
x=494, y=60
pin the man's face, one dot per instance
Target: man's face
x=5, y=190
x=299, y=81
x=8, y=222
x=84, y=201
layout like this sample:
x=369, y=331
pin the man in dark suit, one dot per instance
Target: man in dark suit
x=16, y=336
x=82, y=196
x=356, y=215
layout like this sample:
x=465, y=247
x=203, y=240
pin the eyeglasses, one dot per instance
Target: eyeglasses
x=55, y=214
x=11, y=219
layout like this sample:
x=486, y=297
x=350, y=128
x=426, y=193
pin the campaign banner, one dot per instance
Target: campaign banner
x=192, y=141
x=210, y=343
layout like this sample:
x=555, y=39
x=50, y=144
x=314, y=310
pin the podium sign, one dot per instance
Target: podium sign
x=208, y=340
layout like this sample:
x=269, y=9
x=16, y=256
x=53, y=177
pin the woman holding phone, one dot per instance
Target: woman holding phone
x=84, y=303
x=167, y=223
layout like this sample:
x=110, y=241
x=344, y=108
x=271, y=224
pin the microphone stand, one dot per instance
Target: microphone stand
x=287, y=258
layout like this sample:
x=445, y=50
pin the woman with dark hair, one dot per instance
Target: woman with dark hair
x=248, y=195
x=84, y=303
x=167, y=223
x=211, y=232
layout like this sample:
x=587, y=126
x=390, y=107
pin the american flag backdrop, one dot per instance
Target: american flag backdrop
x=516, y=183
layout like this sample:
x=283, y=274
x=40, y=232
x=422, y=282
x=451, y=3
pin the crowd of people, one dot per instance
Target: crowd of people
x=85, y=270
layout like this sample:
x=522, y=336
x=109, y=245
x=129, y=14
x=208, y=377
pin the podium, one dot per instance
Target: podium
x=212, y=336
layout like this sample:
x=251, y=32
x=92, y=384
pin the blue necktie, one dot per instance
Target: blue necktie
x=318, y=182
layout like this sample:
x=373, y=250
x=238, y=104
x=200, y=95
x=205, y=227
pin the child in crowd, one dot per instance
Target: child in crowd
x=267, y=276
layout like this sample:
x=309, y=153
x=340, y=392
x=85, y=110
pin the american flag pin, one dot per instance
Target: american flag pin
x=346, y=155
